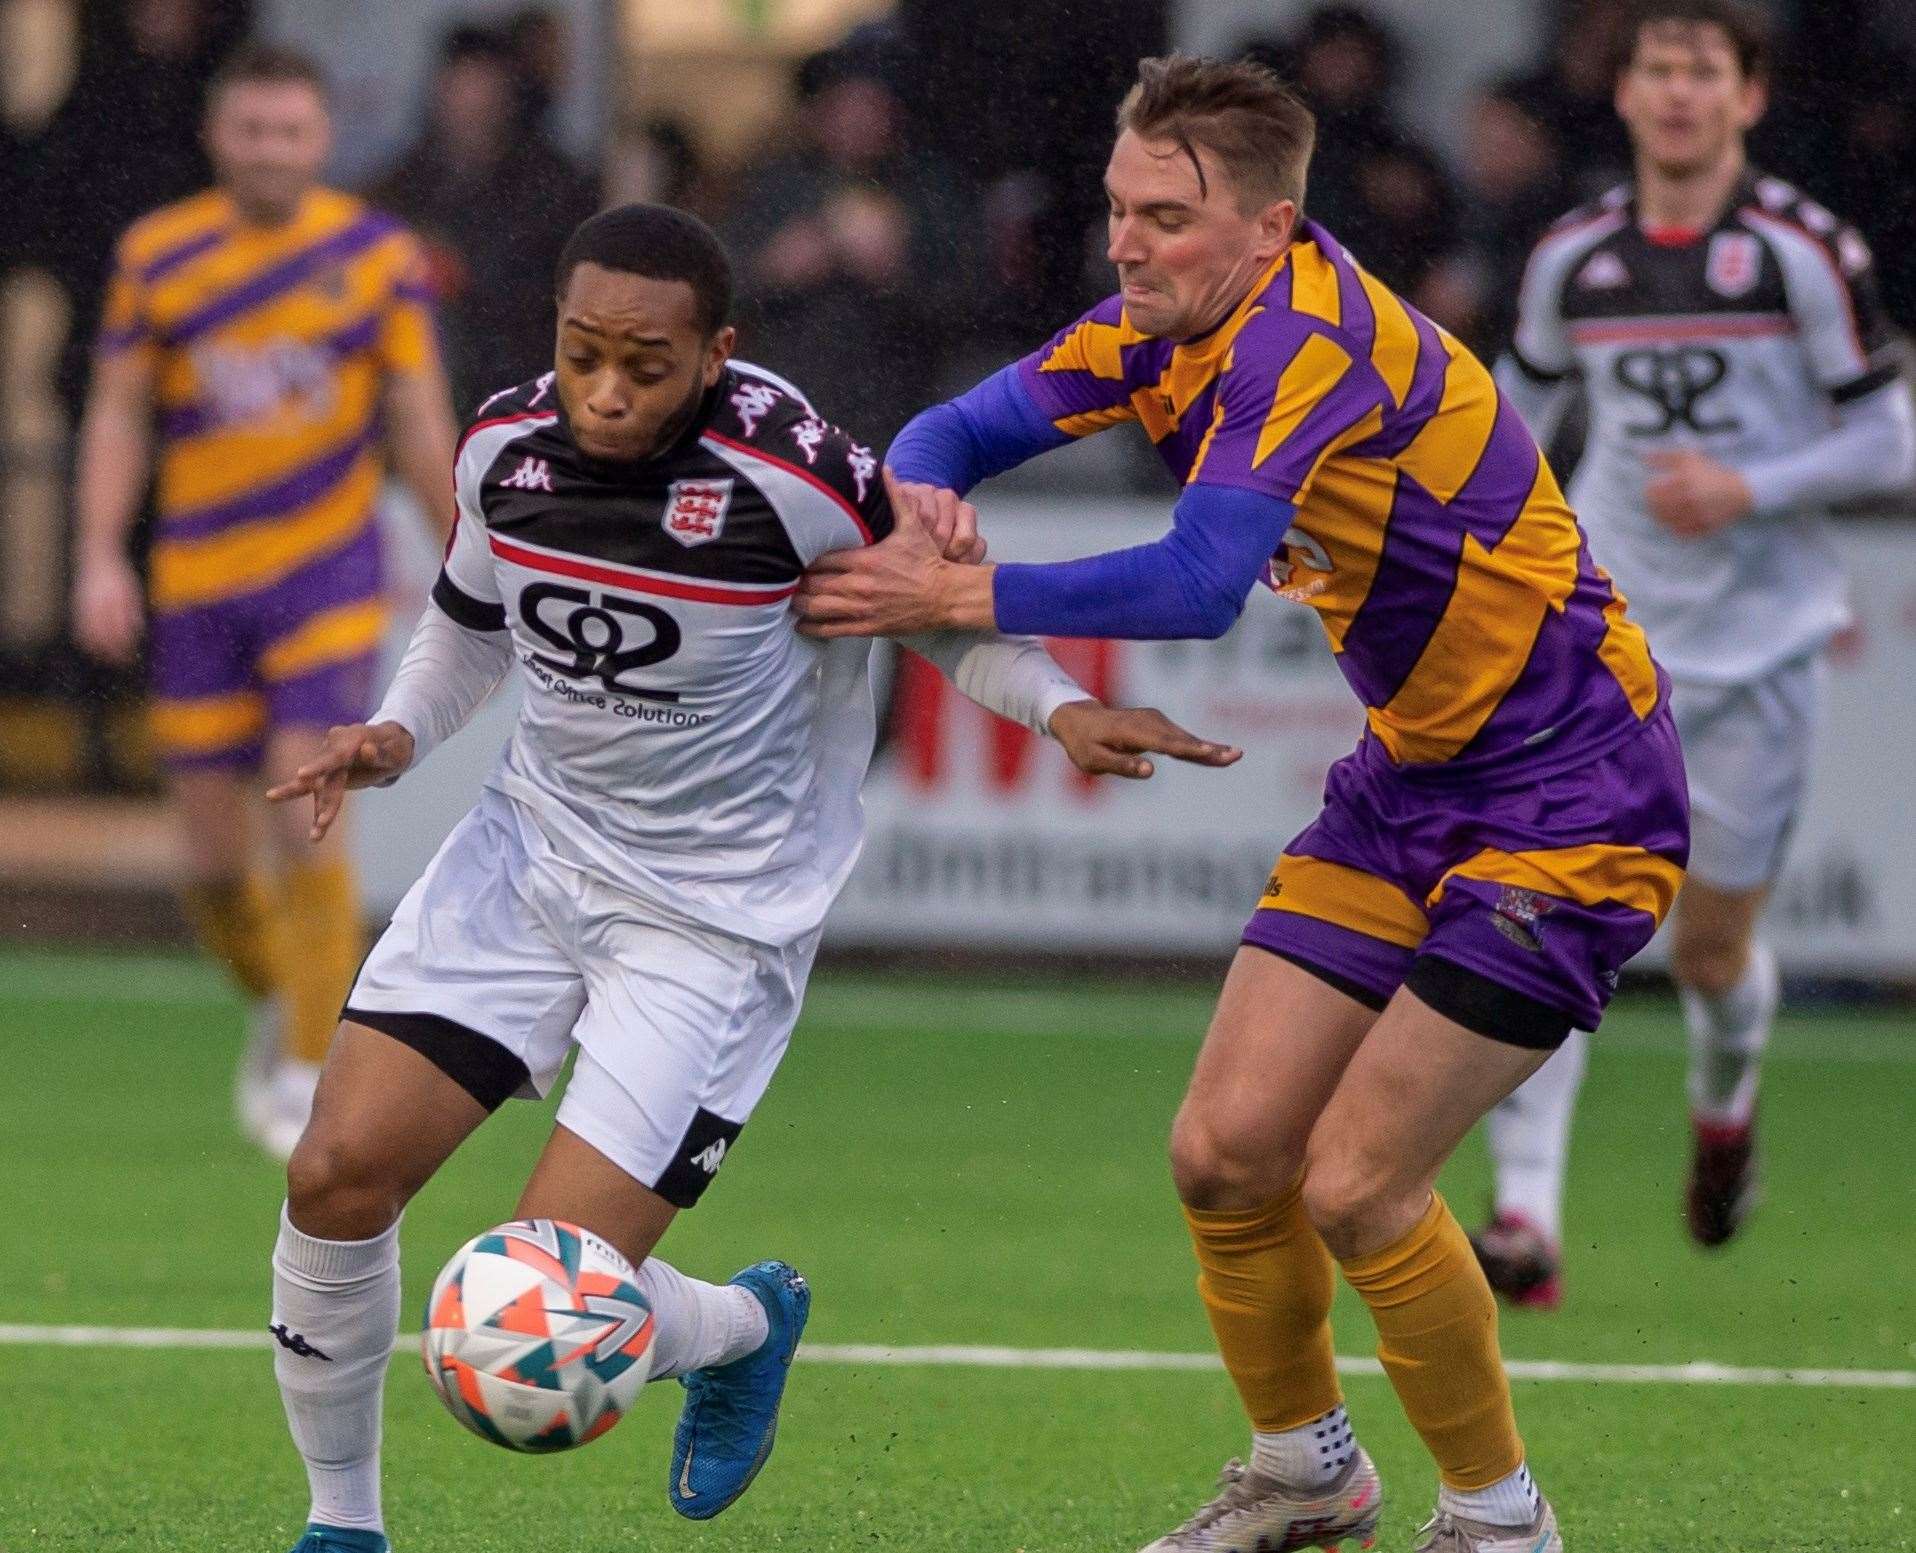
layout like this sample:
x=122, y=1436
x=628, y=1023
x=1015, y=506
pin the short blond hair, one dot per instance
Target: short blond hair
x=1256, y=127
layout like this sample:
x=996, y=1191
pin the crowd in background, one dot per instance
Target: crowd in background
x=932, y=205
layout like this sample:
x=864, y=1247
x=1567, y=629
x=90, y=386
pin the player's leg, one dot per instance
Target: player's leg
x=384, y=1119
x=683, y=1028
x=208, y=722
x=1747, y=749
x=317, y=903
x=464, y=1001
x=1418, y=1083
x=1285, y=1026
x=1729, y=987
x=1555, y=885
x=314, y=660
x=1529, y=1138
x=697, y=1325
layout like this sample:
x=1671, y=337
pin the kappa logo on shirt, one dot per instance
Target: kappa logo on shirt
x=533, y=474
x=1603, y=272
x=695, y=510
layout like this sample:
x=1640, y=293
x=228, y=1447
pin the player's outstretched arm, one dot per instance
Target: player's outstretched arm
x=357, y=755
x=1115, y=740
x=983, y=432
x=1190, y=584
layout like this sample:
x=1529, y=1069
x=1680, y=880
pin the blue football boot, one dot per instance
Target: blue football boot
x=340, y=1539
x=726, y=1430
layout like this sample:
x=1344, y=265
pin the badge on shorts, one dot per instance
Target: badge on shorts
x=1734, y=263
x=1517, y=914
x=695, y=510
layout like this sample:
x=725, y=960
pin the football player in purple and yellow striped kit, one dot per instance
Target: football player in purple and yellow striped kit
x=1509, y=831
x=261, y=340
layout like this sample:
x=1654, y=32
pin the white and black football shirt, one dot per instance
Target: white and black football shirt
x=678, y=737
x=1738, y=341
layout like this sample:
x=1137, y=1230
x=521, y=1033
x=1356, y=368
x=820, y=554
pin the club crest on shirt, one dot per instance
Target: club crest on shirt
x=1734, y=262
x=695, y=510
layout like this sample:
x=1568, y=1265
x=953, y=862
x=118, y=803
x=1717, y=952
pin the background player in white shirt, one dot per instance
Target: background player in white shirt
x=1738, y=376
x=646, y=871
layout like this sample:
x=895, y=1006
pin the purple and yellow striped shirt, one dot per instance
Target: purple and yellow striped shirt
x=1456, y=588
x=269, y=349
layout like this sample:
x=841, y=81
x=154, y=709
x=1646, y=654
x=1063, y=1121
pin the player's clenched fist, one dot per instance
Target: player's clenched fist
x=1113, y=741
x=359, y=755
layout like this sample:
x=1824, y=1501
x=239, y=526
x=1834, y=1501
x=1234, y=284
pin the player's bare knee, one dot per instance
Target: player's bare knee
x=1354, y=1202
x=1214, y=1172
x=1708, y=963
x=337, y=1188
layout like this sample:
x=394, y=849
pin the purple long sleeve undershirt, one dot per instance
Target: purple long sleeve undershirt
x=1191, y=583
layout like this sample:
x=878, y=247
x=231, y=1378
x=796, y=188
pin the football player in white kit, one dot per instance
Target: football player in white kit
x=1736, y=367
x=645, y=873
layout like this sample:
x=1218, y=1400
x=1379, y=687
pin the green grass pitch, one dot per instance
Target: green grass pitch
x=950, y=1162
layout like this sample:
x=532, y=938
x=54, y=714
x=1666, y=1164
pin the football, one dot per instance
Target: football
x=537, y=1336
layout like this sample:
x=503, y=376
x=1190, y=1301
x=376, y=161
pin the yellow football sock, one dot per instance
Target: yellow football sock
x=1437, y=1338
x=320, y=906
x=1266, y=1281
x=233, y=919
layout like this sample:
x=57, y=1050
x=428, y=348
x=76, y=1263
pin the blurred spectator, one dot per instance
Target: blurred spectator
x=494, y=200
x=1514, y=186
x=1018, y=101
x=854, y=255
x=1381, y=190
x=1874, y=124
x=1575, y=88
x=127, y=139
x=537, y=39
x=655, y=161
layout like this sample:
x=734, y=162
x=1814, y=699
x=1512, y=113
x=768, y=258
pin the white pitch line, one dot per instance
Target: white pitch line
x=1696, y=1373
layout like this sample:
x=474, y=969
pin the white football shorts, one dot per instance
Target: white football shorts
x=1748, y=749
x=501, y=959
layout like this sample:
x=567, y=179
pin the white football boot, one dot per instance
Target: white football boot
x=1447, y=1533
x=1256, y=1514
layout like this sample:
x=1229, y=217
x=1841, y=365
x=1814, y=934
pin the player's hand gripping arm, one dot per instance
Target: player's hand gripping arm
x=115, y=458
x=1190, y=584
x=447, y=672
x=1016, y=678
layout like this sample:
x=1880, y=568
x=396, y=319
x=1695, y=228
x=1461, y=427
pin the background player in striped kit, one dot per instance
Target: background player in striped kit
x=1507, y=834
x=258, y=340
x=1726, y=335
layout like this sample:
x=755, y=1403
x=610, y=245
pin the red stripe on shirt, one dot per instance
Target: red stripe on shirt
x=637, y=582
x=501, y=420
x=1680, y=329
x=804, y=474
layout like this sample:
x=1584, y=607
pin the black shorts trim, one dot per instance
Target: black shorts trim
x=1487, y=1007
x=476, y=1063
x=1330, y=978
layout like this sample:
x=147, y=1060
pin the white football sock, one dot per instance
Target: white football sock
x=697, y=1325
x=1511, y=1501
x=1727, y=1036
x=1308, y=1457
x=1529, y=1135
x=335, y=1314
